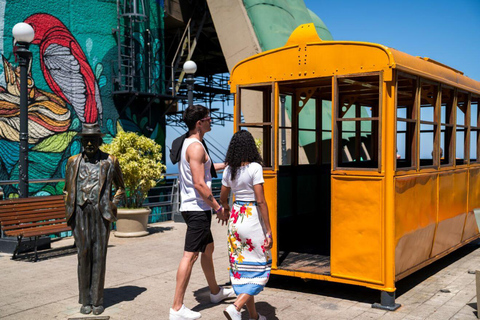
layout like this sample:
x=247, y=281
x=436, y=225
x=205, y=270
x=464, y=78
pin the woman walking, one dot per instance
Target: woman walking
x=249, y=231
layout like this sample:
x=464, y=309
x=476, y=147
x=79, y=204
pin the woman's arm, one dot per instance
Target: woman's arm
x=262, y=206
x=219, y=166
x=224, y=201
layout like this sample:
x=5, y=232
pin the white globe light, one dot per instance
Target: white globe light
x=190, y=67
x=23, y=32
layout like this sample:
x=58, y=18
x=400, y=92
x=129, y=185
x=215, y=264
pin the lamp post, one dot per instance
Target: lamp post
x=23, y=34
x=190, y=68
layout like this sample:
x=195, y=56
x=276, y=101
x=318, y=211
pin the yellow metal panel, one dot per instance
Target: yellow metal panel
x=323, y=277
x=452, y=194
x=357, y=228
x=474, y=189
x=448, y=234
x=306, y=56
x=388, y=149
x=270, y=189
x=312, y=61
x=415, y=219
x=452, y=207
x=471, y=228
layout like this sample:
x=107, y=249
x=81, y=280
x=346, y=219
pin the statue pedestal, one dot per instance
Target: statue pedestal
x=132, y=222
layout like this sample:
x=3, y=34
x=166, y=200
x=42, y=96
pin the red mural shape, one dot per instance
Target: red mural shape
x=65, y=67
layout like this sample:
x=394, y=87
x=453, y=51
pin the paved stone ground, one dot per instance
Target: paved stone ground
x=141, y=273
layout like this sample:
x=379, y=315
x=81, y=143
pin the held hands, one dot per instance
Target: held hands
x=222, y=215
x=268, y=242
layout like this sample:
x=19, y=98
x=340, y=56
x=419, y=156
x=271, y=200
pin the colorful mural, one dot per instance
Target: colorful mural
x=70, y=82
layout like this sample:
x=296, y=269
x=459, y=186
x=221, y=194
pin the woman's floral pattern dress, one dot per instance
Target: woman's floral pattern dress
x=250, y=263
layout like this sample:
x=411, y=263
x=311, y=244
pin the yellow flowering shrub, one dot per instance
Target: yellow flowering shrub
x=258, y=143
x=140, y=160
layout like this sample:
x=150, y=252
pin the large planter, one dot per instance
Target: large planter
x=132, y=222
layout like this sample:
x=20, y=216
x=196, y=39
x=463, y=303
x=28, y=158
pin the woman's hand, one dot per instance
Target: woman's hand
x=268, y=243
x=223, y=215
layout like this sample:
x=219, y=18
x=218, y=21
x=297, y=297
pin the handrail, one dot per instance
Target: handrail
x=168, y=197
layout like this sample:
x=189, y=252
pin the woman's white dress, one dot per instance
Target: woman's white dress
x=250, y=263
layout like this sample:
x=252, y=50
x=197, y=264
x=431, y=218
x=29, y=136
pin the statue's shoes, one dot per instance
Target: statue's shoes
x=86, y=309
x=98, y=309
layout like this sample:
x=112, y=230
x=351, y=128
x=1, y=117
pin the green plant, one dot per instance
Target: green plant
x=258, y=143
x=140, y=161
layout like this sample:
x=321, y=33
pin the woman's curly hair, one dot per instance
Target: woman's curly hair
x=242, y=149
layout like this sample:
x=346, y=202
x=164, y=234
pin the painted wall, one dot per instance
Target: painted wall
x=71, y=82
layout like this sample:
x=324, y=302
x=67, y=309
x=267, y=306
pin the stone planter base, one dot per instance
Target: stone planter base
x=132, y=222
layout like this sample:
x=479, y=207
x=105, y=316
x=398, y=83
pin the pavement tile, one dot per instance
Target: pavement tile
x=444, y=312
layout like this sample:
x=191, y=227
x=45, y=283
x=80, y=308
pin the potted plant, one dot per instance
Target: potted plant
x=140, y=160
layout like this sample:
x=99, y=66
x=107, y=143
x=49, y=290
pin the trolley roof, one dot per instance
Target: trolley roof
x=306, y=56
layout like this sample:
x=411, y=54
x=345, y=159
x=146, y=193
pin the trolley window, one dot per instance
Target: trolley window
x=251, y=99
x=305, y=122
x=285, y=129
x=447, y=123
x=357, y=121
x=406, y=121
x=474, y=129
x=428, y=124
x=461, y=141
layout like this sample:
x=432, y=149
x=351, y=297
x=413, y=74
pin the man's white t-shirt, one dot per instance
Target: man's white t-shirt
x=242, y=186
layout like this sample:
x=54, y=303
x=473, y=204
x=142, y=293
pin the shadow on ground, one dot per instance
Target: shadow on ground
x=203, y=298
x=47, y=254
x=158, y=229
x=114, y=296
x=365, y=295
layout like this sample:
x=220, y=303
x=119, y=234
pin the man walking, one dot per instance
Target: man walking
x=197, y=203
x=89, y=211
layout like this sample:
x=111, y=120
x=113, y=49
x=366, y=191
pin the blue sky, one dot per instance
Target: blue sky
x=446, y=31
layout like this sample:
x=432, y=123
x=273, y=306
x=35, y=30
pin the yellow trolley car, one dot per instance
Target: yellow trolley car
x=371, y=157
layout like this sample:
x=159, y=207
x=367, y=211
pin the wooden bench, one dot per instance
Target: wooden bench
x=31, y=218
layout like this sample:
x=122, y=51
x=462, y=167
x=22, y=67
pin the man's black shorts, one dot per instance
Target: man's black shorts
x=198, y=230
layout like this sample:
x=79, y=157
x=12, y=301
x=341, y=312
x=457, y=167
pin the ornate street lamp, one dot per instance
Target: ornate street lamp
x=190, y=68
x=23, y=34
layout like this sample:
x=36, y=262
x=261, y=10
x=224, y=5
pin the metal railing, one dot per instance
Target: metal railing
x=163, y=200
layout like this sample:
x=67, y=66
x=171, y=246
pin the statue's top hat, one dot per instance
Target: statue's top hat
x=91, y=129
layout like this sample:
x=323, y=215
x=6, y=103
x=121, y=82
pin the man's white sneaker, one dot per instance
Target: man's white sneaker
x=184, y=314
x=223, y=294
x=231, y=313
x=260, y=317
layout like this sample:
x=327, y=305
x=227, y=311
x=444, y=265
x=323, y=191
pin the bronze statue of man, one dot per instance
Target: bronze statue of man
x=91, y=208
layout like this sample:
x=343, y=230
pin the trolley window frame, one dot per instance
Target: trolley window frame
x=447, y=148
x=476, y=128
x=268, y=144
x=466, y=129
x=413, y=119
x=451, y=120
x=336, y=119
x=435, y=123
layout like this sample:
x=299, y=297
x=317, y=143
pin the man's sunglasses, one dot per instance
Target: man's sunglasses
x=206, y=119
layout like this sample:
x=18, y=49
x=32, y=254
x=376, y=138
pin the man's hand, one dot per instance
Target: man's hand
x=221, y=216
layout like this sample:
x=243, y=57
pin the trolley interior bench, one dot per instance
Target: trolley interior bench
x=31, y=218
